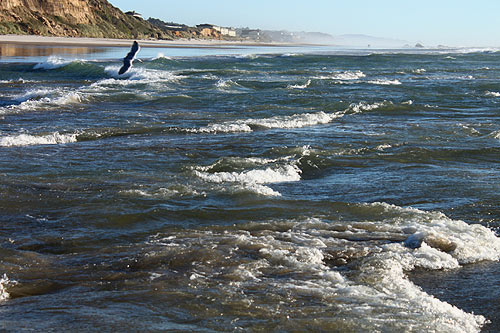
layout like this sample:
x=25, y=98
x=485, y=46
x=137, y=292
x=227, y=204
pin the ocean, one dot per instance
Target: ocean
x=253, y=189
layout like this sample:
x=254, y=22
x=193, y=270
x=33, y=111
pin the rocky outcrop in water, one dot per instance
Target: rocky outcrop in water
x=73, y=18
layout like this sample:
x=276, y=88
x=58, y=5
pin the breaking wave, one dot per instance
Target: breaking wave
x=293, y=121
x=253, y=174
x=30, y=140
x=79, y=67
x=299, y=86
x=492, y=93
x=385, y=82
x=254, y=180
x=359, y=266
x=142, y=74
x=43, y=99
x=344, y=76
x=363, y=106
x=53, y=62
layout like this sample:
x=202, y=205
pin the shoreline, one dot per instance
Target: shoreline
x=110, y=42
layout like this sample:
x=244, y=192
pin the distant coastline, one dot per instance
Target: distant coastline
x=86, y=41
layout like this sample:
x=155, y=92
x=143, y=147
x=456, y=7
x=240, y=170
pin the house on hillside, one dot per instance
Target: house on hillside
x=250, y=34
x=228, y=32
x=210, y=30
x=134, y=14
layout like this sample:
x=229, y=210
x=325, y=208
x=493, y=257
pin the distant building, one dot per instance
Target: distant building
x=134, y=14
x=210, y=30
x=250, y=33
x=207, y=26
x=175, y=27
x=228, y=32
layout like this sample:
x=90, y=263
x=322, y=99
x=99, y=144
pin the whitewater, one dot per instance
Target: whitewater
x=251, y=189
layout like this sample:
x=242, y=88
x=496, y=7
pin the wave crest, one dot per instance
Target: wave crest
x=30, y=140
x=293, y=121
x=338, y=262
x=299, y=86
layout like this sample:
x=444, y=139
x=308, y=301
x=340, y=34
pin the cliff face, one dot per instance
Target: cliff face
x=77, y=18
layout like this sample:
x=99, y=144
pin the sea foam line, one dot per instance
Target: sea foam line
x=293, y=121
x=385, y=82
x=343, y=76
x=30, y=140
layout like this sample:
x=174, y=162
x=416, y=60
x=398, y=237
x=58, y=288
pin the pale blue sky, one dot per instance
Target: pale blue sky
x=432, y=22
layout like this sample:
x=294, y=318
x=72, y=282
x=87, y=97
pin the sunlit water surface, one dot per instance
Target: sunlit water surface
x=249, y=189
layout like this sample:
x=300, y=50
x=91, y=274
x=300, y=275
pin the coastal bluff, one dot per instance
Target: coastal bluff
x=73, y=18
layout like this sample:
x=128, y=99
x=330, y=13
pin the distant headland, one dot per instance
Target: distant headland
x=100, y=19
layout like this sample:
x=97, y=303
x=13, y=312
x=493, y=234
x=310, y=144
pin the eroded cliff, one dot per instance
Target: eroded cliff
x=77, y=18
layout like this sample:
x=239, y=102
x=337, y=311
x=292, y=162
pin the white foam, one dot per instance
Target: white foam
x=258, y=189
x=4, y=282
x=240, y=161
x=385, y=82
x=290, y=260
x=286, y=55
x=68, y=98
x=239, y=126
x=469, y=129
x=34, y=93
x=161, y=56
x=344, y=76
x=293, y=121
x=473, y=242
x=134, y=74
x=247, y=56
x=299, y=86
x=252, y=174
x=383, y=147
x=19, y=80
x=53, y=62
x=492, y=93
x=466, y=50
x=30, y=140
x=286, y=173
x=163, y=193
x=363, y=106
x=42, y=99
x=227, y=84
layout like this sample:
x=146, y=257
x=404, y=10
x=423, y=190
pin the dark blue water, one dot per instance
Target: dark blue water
x=248, y=189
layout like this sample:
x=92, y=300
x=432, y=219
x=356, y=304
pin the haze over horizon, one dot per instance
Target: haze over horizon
x=447, y=22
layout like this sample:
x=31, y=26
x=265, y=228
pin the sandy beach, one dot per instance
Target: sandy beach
x=81, y=41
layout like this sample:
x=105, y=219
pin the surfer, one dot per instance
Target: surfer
x=127, y=61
